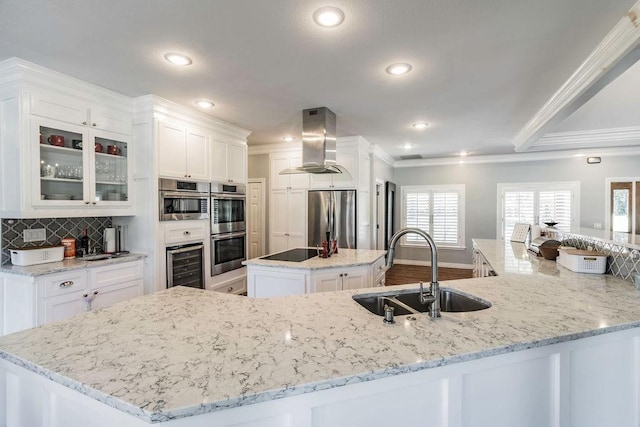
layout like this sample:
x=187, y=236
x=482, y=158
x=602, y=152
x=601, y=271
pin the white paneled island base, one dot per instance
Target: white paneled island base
x=587, y=382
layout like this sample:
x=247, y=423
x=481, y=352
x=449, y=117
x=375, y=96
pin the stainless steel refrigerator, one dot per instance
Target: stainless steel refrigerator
x=335, y=212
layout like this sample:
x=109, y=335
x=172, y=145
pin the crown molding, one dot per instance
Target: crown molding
x=597, y=138
x=615, y=53
x=520, y=157
x=382, y=155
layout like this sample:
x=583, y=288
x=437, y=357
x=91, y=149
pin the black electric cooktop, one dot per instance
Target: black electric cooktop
x=293, y=255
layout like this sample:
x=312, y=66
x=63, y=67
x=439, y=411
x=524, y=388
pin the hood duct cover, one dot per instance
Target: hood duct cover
x=318, y=144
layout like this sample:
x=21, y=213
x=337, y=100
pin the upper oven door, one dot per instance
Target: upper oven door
x=227, y=213
x=183, y=206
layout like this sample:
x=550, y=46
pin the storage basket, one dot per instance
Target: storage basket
x=582, y=261
x=39, y=255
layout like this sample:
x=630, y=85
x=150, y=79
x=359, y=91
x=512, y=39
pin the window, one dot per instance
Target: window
x=537, y=203
x=438, y=210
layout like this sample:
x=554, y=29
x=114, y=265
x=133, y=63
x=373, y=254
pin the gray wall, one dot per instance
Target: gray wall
x=481, y=192
x=258, y=167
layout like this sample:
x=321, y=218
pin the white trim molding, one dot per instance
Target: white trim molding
x=615, y=53
x=597, y=138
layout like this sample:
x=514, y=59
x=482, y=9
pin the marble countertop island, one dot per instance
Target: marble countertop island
x=184, y=352
x=344, y=258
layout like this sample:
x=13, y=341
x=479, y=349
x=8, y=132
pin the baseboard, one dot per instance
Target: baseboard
x=428, y=264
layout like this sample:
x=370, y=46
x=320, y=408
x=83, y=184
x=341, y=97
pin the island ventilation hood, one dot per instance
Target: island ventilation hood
x=318, y=144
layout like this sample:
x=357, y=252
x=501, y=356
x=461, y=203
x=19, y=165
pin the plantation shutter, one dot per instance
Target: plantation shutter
x=445, y=218
x=418, y=213
x=555, y=206
x=518, y=208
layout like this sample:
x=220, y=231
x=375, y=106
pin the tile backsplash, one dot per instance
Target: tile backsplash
x=56, y=229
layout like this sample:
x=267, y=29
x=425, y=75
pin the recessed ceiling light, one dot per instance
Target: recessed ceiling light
x=203, y=103
x=463, y=153
x=398, y=69
x=177, y=58
x=407, y=146
x=328, y=16
x=420, y=125
x=288, y=138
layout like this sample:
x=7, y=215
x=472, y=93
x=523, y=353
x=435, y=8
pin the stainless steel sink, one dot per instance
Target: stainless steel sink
x=96, y=257
x=408, y=302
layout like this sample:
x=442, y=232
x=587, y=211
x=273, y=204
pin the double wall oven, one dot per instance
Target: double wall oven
x=228, y=227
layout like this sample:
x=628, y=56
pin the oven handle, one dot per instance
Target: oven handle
x=203, y=196
x=225, y=236
x=185, y=249
x=222, y=196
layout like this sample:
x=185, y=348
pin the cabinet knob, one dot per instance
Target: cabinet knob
x=186, y=233
x=345, y=274
x=230, y=289
x=341, y=275
x=84, y=123
x=93, y=124
x=95, y=292
x=66, y=284
x=93, y=203
x=86, y=203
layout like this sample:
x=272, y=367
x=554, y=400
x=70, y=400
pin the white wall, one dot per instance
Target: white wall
x=481, y=192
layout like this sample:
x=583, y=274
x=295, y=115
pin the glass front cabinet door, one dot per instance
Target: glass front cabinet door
x=79, y=167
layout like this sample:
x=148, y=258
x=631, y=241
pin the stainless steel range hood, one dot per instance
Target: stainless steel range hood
x=318, y=143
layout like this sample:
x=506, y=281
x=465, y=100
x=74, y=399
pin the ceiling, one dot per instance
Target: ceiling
x=481, y=69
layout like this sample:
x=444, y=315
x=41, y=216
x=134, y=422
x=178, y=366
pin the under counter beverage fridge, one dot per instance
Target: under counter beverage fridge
x=332, y=211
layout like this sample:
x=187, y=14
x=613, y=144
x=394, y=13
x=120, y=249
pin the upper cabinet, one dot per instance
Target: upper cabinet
x=183, y=152
x=287, y=160
x=352, y=154
x=63, y=153
x=229, y=161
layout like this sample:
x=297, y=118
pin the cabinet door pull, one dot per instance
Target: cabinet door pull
x=230, y=289
x=66, y=284
x=95, y=292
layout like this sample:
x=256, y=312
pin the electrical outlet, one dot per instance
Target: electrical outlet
x=34, y=235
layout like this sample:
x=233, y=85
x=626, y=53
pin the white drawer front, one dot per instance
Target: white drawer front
x=176, y=233
x=115, y=274
x=237, y=287
x=65, y=283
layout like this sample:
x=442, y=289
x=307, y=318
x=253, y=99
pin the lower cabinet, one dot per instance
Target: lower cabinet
x=339, y=279
x=264, y=282
x=33, y=301
x=481, y=267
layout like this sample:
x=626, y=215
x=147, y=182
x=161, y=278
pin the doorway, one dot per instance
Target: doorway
x=256, y=217
x=623, y=205
x=379, y=216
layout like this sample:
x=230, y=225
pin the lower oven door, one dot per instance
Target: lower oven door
x=228, y=250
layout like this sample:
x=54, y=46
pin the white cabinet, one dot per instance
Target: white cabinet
x=229, y=161
x=183, y=152
x=65, y=153
x=77, y=111
x=481, y=267
x=288, y=220
x=179, y=232
x=33, y=301
x=237, y=286
x=339, y=279
x=346, y=157
x=274, y=282
x=286, y=160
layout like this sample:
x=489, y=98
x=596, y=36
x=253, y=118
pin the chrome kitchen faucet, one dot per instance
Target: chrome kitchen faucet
x=433, y=296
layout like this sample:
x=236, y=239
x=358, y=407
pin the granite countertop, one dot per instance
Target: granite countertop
x=627, y=240
x=66, y=265
x=183, y=351
x=344, y=258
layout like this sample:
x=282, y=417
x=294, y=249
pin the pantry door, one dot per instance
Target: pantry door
x=256, y=217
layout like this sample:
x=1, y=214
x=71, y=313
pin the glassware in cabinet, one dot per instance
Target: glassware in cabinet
x=111, y=169
x=61, y=162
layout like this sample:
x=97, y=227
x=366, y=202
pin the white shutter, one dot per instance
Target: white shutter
x=417, y=208
x=555, y=205
x=445, y=218
x=518, y=207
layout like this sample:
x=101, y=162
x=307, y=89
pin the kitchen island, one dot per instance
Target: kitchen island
x=279, y=275
x=554, y=349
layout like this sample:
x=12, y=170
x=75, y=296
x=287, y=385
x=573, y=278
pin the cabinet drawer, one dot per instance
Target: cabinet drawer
x=184, y=233
x=65, y=283
x=378, y=268
x=115, y=274
x=237, y=287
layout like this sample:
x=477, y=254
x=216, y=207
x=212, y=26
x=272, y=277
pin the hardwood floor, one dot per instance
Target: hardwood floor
x=401, y=274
